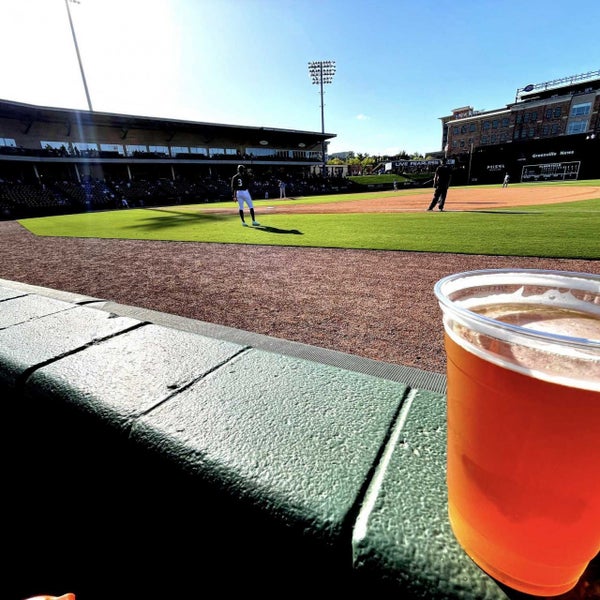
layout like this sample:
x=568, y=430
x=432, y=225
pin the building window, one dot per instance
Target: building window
x=505, y=122
x=159, y=150
x=545, y=129
x=577, y=127
x=132, y=149
x=472, y=127
x=112, y=148
x=486, y=124
x=557, y=112
x=175, y=150
x=581, y=110
x=495, y=124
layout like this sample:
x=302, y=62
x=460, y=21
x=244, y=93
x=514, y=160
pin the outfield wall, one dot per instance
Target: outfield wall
x=564, y=158
x=554, y=171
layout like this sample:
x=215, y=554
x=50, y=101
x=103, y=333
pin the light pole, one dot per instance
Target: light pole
x=322, y=72
x=87, y=93
x=470, y=160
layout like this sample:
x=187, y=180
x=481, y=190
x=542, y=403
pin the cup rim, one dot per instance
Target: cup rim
x=578, y=280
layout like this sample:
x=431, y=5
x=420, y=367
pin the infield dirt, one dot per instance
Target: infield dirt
x=459, y=199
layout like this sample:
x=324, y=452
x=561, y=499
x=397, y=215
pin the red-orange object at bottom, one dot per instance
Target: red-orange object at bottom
x=523, y=485
x=68, y=596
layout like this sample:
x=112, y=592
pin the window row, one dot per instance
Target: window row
x=91, y=149
x=488, y=124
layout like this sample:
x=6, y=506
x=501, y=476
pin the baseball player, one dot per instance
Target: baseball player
x=240, y=184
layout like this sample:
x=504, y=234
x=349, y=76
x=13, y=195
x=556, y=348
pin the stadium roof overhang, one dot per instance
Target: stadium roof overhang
x=210, y=132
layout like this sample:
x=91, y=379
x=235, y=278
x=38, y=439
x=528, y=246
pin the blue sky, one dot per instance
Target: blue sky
x=400, y=65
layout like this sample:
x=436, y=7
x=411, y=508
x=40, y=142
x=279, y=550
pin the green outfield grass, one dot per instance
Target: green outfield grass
x=568, y=230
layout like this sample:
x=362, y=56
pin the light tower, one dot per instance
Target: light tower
x=322, y=72
x=87, y=93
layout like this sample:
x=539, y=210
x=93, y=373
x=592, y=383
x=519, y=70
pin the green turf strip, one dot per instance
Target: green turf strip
x=567, y=230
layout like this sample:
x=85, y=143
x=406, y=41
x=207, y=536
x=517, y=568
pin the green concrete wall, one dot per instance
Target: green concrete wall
x=145, y=460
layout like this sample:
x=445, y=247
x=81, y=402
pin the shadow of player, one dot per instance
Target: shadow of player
x=277, y=230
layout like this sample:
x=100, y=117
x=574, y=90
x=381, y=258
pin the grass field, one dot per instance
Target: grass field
x=558, y=230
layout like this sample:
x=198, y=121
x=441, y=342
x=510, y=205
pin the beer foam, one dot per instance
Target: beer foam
x=553, y=298
x=541, y=355
x=546, y=318
x=542, y=324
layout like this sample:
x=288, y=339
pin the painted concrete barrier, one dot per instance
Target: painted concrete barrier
x=150, y=461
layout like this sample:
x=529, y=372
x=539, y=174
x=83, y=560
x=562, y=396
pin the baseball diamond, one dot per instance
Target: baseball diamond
x=374, y=304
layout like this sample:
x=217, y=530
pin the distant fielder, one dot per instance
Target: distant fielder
x=441, y=183
x=240, y=186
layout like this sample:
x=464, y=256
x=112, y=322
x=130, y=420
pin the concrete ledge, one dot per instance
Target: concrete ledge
x=153, y=456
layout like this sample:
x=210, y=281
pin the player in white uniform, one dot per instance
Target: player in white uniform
x=240, y=186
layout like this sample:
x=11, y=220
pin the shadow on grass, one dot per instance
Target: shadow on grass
x=173, y=218
x=161, y=218
x=277, y=230
x=503, y=212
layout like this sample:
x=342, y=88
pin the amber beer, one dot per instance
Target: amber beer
x=523, y=394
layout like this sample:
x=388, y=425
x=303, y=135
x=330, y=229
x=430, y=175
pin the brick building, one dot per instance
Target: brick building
x=550, y=132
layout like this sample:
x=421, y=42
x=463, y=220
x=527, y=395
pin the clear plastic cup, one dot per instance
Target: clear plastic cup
x=523, y=410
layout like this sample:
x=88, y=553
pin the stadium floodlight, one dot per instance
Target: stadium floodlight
x=85, y=87
x=321, y=72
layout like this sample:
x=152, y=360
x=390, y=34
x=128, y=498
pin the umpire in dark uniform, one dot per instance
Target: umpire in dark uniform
x=441, y=183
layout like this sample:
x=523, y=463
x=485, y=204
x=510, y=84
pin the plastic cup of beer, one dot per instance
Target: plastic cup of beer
x=523, y=415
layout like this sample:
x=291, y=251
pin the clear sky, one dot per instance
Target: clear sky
x=400, y=65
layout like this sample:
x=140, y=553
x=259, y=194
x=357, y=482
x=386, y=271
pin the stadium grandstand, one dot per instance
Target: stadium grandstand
x=55, y=160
